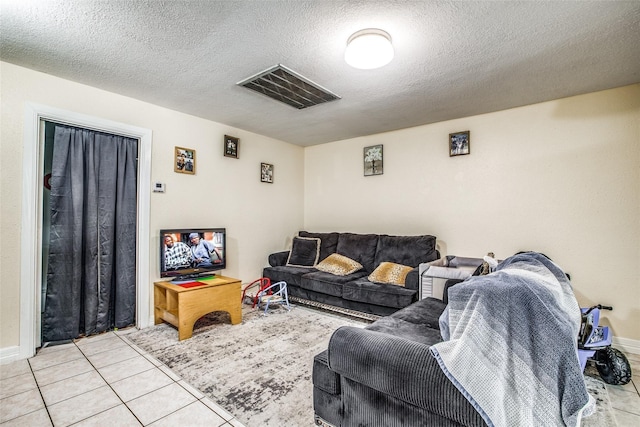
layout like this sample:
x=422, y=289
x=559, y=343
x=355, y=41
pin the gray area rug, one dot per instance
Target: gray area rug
x=260, y=371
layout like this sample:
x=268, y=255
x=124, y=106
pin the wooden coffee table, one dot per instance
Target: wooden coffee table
x=183, y=306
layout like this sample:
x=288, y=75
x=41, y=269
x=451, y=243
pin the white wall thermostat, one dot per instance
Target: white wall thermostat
x=158, y=187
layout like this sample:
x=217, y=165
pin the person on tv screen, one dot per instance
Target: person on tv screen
x=177, y=255
x=204, y=252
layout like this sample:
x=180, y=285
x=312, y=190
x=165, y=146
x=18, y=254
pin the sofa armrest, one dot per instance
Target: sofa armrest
x=384, y=362
x=412, y=281
x=398, y=367
x=278, y=259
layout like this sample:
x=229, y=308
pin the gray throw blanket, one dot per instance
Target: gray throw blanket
x=511, y=344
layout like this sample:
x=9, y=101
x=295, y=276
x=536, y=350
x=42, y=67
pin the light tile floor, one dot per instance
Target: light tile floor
x=98, y=381
x=107, y=380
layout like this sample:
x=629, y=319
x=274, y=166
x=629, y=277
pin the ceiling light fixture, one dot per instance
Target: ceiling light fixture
x=369, y=49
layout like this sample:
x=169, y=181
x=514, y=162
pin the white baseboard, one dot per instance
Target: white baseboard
x=627, y=345
x=9, y=354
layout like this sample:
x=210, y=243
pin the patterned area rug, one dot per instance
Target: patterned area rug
x=260, y=371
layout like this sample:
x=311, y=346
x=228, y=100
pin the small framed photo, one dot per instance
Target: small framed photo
x=373, y=164
x=266, y=173
x=231, y=146
x=459, y=143
x=185, y=160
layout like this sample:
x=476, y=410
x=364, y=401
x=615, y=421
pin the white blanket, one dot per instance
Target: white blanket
x=511, y=344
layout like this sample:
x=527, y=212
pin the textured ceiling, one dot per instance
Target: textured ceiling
x=452, y=59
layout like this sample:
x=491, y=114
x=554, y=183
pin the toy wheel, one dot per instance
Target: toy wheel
x=613, y=366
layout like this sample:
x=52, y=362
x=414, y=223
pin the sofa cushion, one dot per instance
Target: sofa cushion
x=424, y=312
x=339, y=265
x=327, y=283
x=360, y=247
x=417, y=332
x=405, y=250
x=388, y=272
x=278, y=258
x=363, y=290
x=419, y=322
x=291, y=275
x=304, y=252
x=328, y=242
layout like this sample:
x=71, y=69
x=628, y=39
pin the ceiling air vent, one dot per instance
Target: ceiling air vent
x=285, y=85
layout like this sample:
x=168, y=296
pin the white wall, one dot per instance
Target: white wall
x=225, y=192
x=561, y=177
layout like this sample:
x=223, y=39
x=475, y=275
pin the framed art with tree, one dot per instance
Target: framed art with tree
x=373, y=162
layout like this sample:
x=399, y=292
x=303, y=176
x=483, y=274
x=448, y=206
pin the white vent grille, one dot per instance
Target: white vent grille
x=289, y=87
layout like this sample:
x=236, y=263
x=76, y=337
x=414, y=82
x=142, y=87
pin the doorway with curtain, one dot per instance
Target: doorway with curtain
x=89, y=232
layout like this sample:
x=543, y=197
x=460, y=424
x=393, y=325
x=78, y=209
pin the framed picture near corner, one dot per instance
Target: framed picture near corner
x=185, y=160
x=231, y=146
x=459, y=143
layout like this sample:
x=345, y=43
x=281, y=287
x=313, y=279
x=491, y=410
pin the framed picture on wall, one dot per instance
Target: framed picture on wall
x=459, y=143
x=231, y=146
x=185, y=160
x=266, y=173
x=373, y=164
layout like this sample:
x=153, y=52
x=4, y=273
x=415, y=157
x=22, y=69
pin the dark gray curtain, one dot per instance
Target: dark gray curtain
x=91, y=276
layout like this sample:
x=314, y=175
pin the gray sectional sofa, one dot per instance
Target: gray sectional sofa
x=384, y=375
x=477, y=360
x=354, y=291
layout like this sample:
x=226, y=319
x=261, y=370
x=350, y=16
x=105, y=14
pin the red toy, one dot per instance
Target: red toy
x=263, y=283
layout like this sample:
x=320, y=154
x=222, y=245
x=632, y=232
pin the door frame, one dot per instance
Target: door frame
x=31, y=238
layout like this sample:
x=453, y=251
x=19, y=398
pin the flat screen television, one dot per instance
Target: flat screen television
x=192, y=253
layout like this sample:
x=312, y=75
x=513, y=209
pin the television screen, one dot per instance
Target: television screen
x=192, y=253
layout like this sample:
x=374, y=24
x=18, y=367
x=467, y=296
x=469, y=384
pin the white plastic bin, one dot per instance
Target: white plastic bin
x=434, y=274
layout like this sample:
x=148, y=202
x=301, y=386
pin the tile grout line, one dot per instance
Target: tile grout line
x=125, y=403
x=129, y=343
x=109, y=385
x=204, y=396
x=96, y=370
x=46, y=407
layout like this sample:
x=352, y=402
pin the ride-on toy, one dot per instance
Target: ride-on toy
x=594, y=342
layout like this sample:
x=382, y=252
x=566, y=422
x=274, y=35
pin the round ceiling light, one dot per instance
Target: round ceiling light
x=369, y=49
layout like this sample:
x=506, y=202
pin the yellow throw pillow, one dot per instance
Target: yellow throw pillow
x=339, y=265
x=388, y=272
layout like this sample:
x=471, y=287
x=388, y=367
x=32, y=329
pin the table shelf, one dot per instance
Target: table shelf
x=182, y=307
